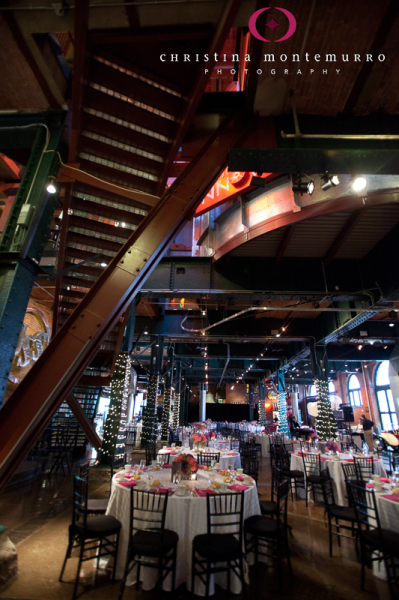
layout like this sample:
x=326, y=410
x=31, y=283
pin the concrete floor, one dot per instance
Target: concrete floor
x=38, y=515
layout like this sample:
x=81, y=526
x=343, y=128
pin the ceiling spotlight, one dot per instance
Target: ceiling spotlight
x=385, y=347
x=391, y=324
x=283, y=329
x=303, y=187
x=278, y=334
x=359, y=347
x=103, y=264
x=50, y=186
x=328, y=182
x=358, y=183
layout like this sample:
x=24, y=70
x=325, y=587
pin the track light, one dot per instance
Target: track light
x=303, y=187
x=51, y=187
x=328, y=182
x=259, y=181
x=103, y=264
x=358, y=183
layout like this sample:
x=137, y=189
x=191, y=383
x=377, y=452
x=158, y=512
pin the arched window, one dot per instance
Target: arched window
x=386, y=405
x=312, y=391
x=355, y=397
x=331, y=387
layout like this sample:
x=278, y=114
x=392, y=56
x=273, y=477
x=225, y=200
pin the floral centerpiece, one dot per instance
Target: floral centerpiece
x=213, y=435
x=313, y=437
x=188, y=465
x=199, y=441
x=332, y=446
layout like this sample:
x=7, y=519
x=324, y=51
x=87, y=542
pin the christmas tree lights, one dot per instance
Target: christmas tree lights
x=326, y=425
x=176, y=411
x=115, y=425
x=149, y=431
x=283, y=428
x=166, y=412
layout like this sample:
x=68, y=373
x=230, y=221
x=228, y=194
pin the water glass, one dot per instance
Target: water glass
x=142, y=464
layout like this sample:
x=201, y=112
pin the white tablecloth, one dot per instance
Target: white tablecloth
x=225, y=459
x=187, y=517
x=336, y=474
x=388, y=511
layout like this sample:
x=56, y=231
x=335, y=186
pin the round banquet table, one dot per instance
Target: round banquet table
x=187, y=516
x=388, y=511
x=226, y=459
x=336, y=474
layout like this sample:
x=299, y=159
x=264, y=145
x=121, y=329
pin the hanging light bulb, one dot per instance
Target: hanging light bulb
x=51, y=186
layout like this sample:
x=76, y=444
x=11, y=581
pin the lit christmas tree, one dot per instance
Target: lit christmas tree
x=262, y=410
x=326, y=425
x=115, y=425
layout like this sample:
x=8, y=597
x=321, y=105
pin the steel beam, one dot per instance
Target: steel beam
x=225, y=23
x=316, y=210
x=343, y=235
x=25, y=415
x=284, y=243
x=315, y=160
x=84, y=422
x=80, y=59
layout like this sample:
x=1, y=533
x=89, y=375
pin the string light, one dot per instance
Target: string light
x=166, y=410
x=115, y=425
x=150, y=421
x=283, y=428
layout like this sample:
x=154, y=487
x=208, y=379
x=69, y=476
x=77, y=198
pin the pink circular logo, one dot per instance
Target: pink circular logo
x=272, y=24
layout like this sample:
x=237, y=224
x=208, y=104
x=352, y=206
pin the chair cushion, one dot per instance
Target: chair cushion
x=97, y=505
x=149, y=543
x=99, y=526
x=314, y=478
x=261, y=526
x=217, y=546
x=346, y=513
x=388, y=544
x=267, y=507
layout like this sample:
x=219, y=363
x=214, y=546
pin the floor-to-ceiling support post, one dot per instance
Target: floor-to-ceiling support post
x=282, y=404
x=176, y=404
x=167, y=394
x=150, y=418
x=25, y=234
x=202, y=406
x=262, y=399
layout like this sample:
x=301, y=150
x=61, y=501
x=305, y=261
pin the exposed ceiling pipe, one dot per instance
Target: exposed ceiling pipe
x=337, y=136
x=225, y=365
x=361, y=311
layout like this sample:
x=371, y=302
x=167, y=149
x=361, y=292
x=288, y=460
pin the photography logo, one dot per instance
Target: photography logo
x=272, y=24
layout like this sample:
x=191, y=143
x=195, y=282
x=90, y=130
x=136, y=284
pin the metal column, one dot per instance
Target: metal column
x=283, y=428
x=25, y=232
x=176, y=403
x=150, y=417
x=202, y=405
x=262, y=399
x=167, y=395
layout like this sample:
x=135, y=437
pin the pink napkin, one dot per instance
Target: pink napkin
x=322, y=458
x=240, y=477
x=126, y=476
x=370, y=485
x=232, y=454
x=393, y=497
x=348, y=459
x=238, y=488
x=201, y=466
x=173, y=452
x=300, y=453
x=128, y=483
x=166, y=466
x=384, y=479
x=203, y=493
x=161, y=489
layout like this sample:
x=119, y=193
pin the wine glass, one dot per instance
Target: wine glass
x=149, y=478
x=142, y=464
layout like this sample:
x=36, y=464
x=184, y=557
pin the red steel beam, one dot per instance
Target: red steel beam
x=84, y=422
x=224, y=25
x=54, y=375
x=343, y=235
x=79, y=63
x=120, y=190
x=284, y=243
x=316, y=210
